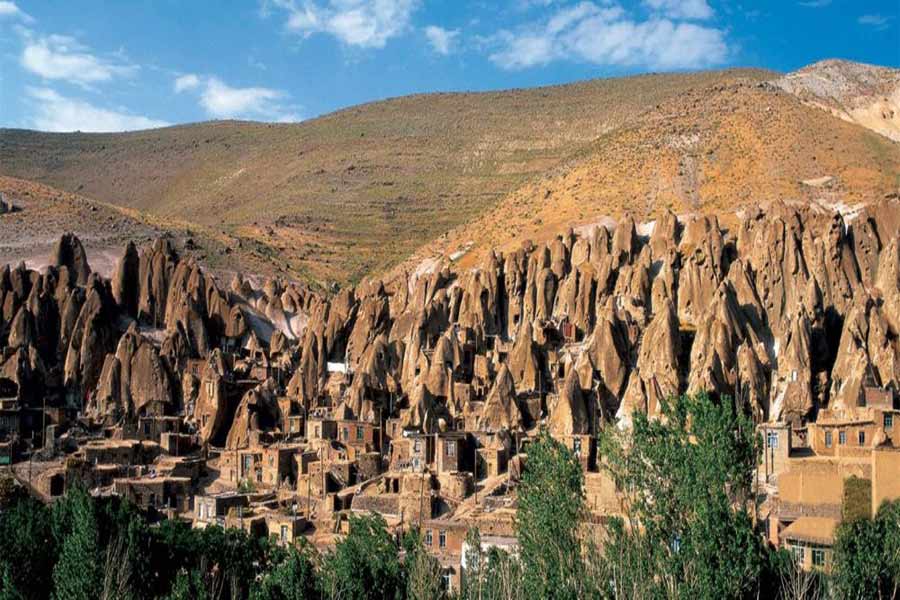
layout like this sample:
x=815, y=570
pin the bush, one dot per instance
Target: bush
x=867, y=556
x=551, y=508
x=687, y=478
x=27, y=551
x=365, y=564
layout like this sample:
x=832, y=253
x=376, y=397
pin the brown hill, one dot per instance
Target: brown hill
x=353, y=192
x=40, y=214
x=865, y=94
x=714, y=150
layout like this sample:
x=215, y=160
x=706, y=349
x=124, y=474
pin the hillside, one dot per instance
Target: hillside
x=865, y=94
x=40, y=214
x=352, y=192
x=713, y=150
x=391, y=183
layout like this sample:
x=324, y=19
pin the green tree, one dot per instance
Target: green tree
x=125, y=539
x=423, y=571
x=77, y=575
x=198, y=584
x=292, y=576
x=365, y=564
x=8, y=589
x=491, y=575
x=687, y=479
x=473, y=583
x=10, y=491
x=28, y=550
x=551, y=507
x=867, y=556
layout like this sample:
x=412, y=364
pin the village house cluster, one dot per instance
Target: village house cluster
x=281, y=410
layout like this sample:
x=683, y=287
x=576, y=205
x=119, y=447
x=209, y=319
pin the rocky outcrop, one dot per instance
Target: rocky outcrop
x=69, y=253
x=794, y=311
x=152, y=387
x=257, y=411
x=126, y=281
x=500, y=411
x=155, y=269
x=702, y=250
x=569, y=414
x=657, y=376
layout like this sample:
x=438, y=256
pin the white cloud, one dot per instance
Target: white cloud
x=608, y=36
x=55, y=112
x=876, y=21
x=363, y=23
x=186, y=82
x=441, y=40
x=222, y=101
x=682, y=9
x=10, y=9
x=64, y=58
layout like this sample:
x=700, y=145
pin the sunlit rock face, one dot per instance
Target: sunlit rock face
x=790, y=310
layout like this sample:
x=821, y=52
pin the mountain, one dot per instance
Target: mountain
x=392, y=183
x=865, y=94
x=353, y=192
x=718, y=150
x=33, y=216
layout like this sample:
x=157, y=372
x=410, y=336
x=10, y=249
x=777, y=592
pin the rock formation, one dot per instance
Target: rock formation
x=794, y=311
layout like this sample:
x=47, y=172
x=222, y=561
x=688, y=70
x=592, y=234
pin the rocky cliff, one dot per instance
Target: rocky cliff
x=794, y=310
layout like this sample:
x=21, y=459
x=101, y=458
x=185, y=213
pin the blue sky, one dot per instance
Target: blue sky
x=102, y=66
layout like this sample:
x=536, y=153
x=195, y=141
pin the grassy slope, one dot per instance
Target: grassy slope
x=43, y=213
x=355, y=191
x=711, y=150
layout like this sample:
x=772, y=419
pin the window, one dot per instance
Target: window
x=359, y=434
x=888, y=420
x=428, y=537
x=828, y=439
x=417, y=446
x=862, y=438
x=318, y=434
x=842, y=437
x=345, y=434
x=772, y=439
x=284, y=533
x=446, y=584
x=799, y=553
x=793, y=375
x=818, y=557
x=451, y=448
x=576, y=447
x=442, y=539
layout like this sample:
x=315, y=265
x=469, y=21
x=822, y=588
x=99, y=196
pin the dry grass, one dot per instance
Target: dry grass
x=356, y=191
x=44, y=213
x=711, y=150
